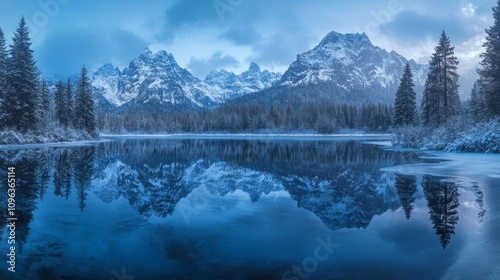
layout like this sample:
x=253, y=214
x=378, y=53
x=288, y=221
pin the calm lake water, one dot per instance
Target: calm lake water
x=234, y=209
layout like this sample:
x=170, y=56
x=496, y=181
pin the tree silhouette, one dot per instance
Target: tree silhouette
x=442, y=200
x=490, y=64
x=406, y=187
x=84, y=104
x=26, y=196
x=440, y=99
x=83, y=162
x=21, y=98
x=3, y=75
x=405, y=106
x=62, y=174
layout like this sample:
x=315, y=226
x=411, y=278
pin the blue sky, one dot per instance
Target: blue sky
x=204, y=35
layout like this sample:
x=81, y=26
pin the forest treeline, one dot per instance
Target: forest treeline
x=322, y=118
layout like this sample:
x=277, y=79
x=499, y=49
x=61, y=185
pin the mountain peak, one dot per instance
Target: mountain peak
x=334, y=37
x=147, y=52
x=164, y=55
x=107, y=70
x=351, y=63
x=254, y=67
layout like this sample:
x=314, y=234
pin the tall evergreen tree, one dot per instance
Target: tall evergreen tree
x=430, y=99
x=44, y=104
x=83, y=163
x=440, y=100
x=3, y=75
x=20, y=100
x=21, y=97
x=84, y=105
x=406, y=187
x=490, y=71
x=59, y=103
x=443, y=203
x=69, y=103
x=405, y=106
x=477, y=104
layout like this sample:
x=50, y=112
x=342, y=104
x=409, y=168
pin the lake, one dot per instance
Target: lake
x=284, y=208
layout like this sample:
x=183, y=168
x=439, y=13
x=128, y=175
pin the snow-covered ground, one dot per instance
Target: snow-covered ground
x=48, y=145
x=455, y=137
x=11, y=138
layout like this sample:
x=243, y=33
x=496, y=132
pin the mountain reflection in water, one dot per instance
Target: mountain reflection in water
x=339, y=182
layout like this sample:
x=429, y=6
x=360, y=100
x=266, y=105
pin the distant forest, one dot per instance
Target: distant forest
x=321, y=118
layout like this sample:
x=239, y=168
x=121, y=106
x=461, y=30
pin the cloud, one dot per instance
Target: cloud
x=469, y=10
x=409, y=25
x=270, y=33
x=65, y=52
x=201, y=67
x=241, y=35
x=281, y=48
x=190, y=12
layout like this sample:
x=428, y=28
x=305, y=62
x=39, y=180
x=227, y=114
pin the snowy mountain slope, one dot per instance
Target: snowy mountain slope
x=106, y=84
x=229, y=85
x=151, y=79
x=351, y=63
x=157, y=79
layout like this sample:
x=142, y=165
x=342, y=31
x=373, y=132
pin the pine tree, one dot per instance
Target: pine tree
x=20, y=100
x=477, y=104
x=490, y=71
x=443, y=204
x=84, y=105
x=405, y=106
x=69, y=103
x=406, y=187
x=59, y=103
x=440, y=101
x=83, y=162
x=430, y=104
x=44, y=104
x=3, y=76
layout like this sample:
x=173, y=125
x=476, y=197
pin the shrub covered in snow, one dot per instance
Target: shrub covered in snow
x=410, y=136
x=55, y=135
x=481, y=138
x=455, y=136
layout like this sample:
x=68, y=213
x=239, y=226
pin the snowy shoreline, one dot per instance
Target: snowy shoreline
x=284, y=136
x=5, y=147
x=187, y=136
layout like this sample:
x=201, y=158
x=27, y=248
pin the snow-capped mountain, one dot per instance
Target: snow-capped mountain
x=151, y=79
x=157, y=79
x=230, y=85
x=343, y=67
x=106, y=84
x=351, y=64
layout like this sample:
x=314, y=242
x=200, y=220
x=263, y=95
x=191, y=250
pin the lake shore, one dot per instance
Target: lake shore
x=274, y=136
